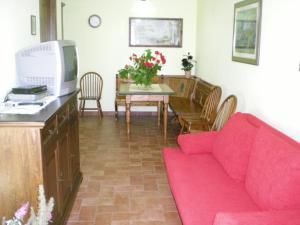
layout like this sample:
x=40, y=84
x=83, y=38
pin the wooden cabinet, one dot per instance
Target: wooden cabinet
x=40, y=152
x=74, y=156
x=50, y=172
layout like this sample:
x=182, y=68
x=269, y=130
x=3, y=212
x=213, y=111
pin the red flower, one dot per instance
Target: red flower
x=126, y=66
x=134, y=55
x=137, y=60
x=148, y=64
x=130, y=58
x=163, y=59
x=157, y=52
x=158, y=61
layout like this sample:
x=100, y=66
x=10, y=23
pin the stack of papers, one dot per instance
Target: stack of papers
x=13, y=107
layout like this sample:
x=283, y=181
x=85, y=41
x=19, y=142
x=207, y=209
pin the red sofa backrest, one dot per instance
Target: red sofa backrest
x=258, y=123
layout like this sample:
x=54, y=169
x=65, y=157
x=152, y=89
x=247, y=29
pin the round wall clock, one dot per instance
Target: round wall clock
x=95, y=21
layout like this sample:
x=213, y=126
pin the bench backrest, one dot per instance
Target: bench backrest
x=208, y=97
x=182, y=86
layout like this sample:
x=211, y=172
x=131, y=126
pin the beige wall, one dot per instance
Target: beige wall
x=15, y=34
x=270, y=90
x=105, y=49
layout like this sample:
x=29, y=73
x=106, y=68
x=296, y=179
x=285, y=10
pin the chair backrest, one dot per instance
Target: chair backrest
x=210, y=105
x=226, y=110
x=91, y=84
x=202, y=90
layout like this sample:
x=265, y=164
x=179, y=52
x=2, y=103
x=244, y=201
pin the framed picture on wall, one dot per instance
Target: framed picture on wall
x=246, y=31
x=155, y=32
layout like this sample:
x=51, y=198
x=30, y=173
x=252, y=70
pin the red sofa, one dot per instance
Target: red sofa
x=246, y=174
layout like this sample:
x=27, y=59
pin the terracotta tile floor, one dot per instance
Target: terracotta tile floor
x=125, y=181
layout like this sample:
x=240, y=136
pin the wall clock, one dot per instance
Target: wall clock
x=95, y=21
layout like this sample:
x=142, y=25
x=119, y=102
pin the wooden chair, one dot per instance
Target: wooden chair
x=91, y=84
x=195, y=124
x=203, y=102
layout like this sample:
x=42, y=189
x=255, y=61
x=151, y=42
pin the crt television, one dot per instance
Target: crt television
x=53, y=63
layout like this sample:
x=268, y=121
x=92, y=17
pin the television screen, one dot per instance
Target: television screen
x=70, y=62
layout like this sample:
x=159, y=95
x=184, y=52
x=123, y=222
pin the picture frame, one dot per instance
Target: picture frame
x=33, y=24
x=246, y=31
x=155, y=32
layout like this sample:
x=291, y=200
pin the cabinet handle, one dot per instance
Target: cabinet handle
x=51, y=132
x=64, y=120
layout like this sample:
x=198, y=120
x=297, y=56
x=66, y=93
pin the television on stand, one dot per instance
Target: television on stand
x=53, y=63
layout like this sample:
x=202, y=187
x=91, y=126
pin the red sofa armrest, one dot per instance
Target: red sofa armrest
x=196, y=143
x=282, y=217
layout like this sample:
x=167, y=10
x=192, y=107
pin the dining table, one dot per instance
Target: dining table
x=154, y=93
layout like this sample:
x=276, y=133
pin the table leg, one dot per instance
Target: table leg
x=158, y=113
x=165, y=120
x=128, y=117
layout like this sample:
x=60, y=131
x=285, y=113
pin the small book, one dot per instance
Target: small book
x=30, y=89
x=27, y=97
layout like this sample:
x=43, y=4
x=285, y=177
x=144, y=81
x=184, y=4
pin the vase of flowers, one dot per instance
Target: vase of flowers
x=144, y=68
x=187, y=64
x=42, y=217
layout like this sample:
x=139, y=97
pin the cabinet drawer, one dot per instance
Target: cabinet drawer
x=50, y=131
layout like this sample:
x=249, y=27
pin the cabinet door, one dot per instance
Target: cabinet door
x=63, y=166
x=74, y=143
x=50, y=174
x=74, y=150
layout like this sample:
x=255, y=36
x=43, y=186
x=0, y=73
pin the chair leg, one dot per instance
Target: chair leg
x=83, y=107
x=116, y=111
x=181, y=123
x=101, y=113
x=98, y=108
x=182, y=128
x=80, y=105
x=158, y=113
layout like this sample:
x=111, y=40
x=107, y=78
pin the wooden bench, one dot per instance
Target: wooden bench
x=203, y=101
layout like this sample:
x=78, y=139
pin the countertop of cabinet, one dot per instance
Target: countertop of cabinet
x=38, y=119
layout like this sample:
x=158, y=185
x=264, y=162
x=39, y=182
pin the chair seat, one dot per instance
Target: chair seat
x=194, y=123
x=184, y=106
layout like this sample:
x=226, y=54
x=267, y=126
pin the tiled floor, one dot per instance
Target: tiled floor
x=124, y=180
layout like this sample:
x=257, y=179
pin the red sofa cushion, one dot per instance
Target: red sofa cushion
x=197, y=143
x=202, y=188
x=282, y=217
x=273, y=177
x=233, y=145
